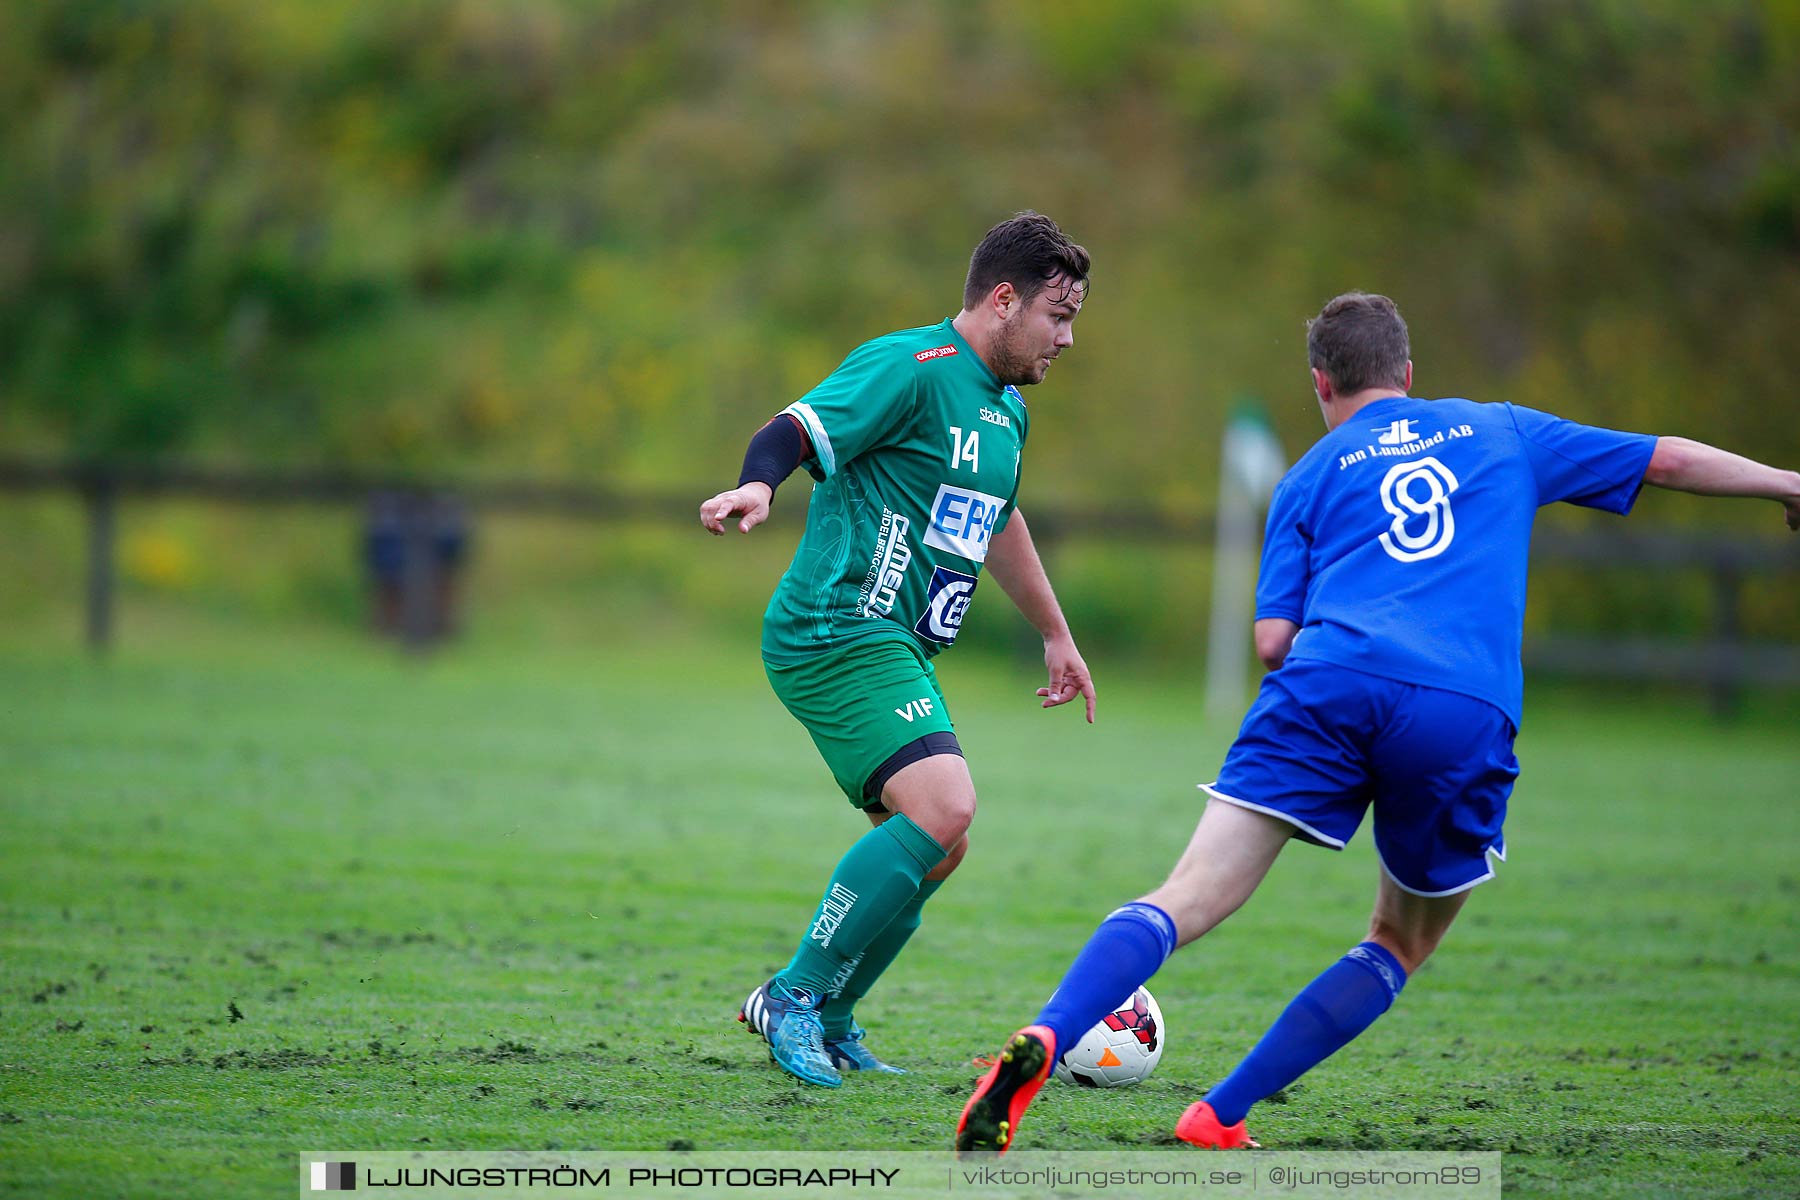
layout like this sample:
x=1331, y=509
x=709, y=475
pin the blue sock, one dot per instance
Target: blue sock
x=1320, y=1021
x=1126, y=950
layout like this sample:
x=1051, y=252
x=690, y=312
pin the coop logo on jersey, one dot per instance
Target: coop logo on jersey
x=887, y=569
x=1398, y=434
x=935, y=352
x=945, y=605
x=962, y=521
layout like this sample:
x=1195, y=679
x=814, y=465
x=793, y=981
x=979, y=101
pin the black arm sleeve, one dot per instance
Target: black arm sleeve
x=774, y=452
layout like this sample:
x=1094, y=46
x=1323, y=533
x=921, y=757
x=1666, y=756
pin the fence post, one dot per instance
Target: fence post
x=102, y=495
x=1726, y=689
x=417, y=573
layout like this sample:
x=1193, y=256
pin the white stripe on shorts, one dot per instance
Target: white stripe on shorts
x=1386, y=870
x=1216, y=794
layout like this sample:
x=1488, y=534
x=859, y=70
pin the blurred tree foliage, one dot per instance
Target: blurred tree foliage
x=606, y=239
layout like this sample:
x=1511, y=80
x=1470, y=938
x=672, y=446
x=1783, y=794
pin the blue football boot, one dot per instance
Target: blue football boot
x=788, y=1019
x=849, y=1054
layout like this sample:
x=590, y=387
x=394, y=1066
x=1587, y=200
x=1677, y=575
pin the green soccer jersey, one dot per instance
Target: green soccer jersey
x=916, y=453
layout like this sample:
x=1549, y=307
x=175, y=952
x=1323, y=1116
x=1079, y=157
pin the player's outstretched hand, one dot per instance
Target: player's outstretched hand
x=1793, y=514
x=751, y=502
x=1069, y=676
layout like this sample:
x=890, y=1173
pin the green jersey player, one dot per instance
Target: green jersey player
x=915, y=443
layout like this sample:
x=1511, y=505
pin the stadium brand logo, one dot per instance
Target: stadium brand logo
x=996, y=418
x=333, y=1177
x=842, y=978
x=962, y=521
x=832, y=911
x=1398, y=434
x=887, y=570
x=936, y=352
x=945, y=605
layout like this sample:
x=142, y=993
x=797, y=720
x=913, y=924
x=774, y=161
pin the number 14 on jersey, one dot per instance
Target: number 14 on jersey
x=965, y=449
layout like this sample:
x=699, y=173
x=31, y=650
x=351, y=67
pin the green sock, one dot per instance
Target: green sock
x=874, y=880
x=876, y=959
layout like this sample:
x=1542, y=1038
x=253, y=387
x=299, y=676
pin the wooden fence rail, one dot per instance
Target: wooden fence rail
x=1723, y=662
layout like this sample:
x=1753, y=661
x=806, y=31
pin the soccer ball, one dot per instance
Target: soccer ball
x=1122, y=1049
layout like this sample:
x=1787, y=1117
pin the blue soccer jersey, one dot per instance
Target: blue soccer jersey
x=1398, y=543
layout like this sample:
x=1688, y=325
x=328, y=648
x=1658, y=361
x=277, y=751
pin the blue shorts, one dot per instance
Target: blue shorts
x=1323, y=742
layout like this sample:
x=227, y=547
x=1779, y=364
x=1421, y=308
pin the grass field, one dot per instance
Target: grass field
x=267, y=896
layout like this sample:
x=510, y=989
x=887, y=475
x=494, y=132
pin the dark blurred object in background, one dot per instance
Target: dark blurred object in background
x=414, y=546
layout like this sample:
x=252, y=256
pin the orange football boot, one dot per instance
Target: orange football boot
x=1200, y=1126
x=991, y=1117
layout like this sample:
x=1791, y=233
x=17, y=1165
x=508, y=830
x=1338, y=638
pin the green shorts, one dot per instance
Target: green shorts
x=861, y=702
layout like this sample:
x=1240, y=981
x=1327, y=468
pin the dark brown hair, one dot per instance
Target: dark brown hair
x=1027, y=251
x=1359, y=341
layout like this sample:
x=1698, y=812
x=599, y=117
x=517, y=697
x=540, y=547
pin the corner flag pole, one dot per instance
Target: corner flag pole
x=1251, y=465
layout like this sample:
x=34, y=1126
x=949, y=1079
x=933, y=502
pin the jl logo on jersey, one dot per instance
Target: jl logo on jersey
x=1398, y=434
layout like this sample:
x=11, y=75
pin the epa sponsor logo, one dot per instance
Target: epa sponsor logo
x=996, y=418
x=945, y=605
x=962, y=521
x=936, y=352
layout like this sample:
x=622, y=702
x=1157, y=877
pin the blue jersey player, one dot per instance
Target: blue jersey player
x=1389, y=613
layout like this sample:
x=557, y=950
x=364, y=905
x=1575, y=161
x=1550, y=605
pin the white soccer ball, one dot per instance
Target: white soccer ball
x=1122, y=1049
